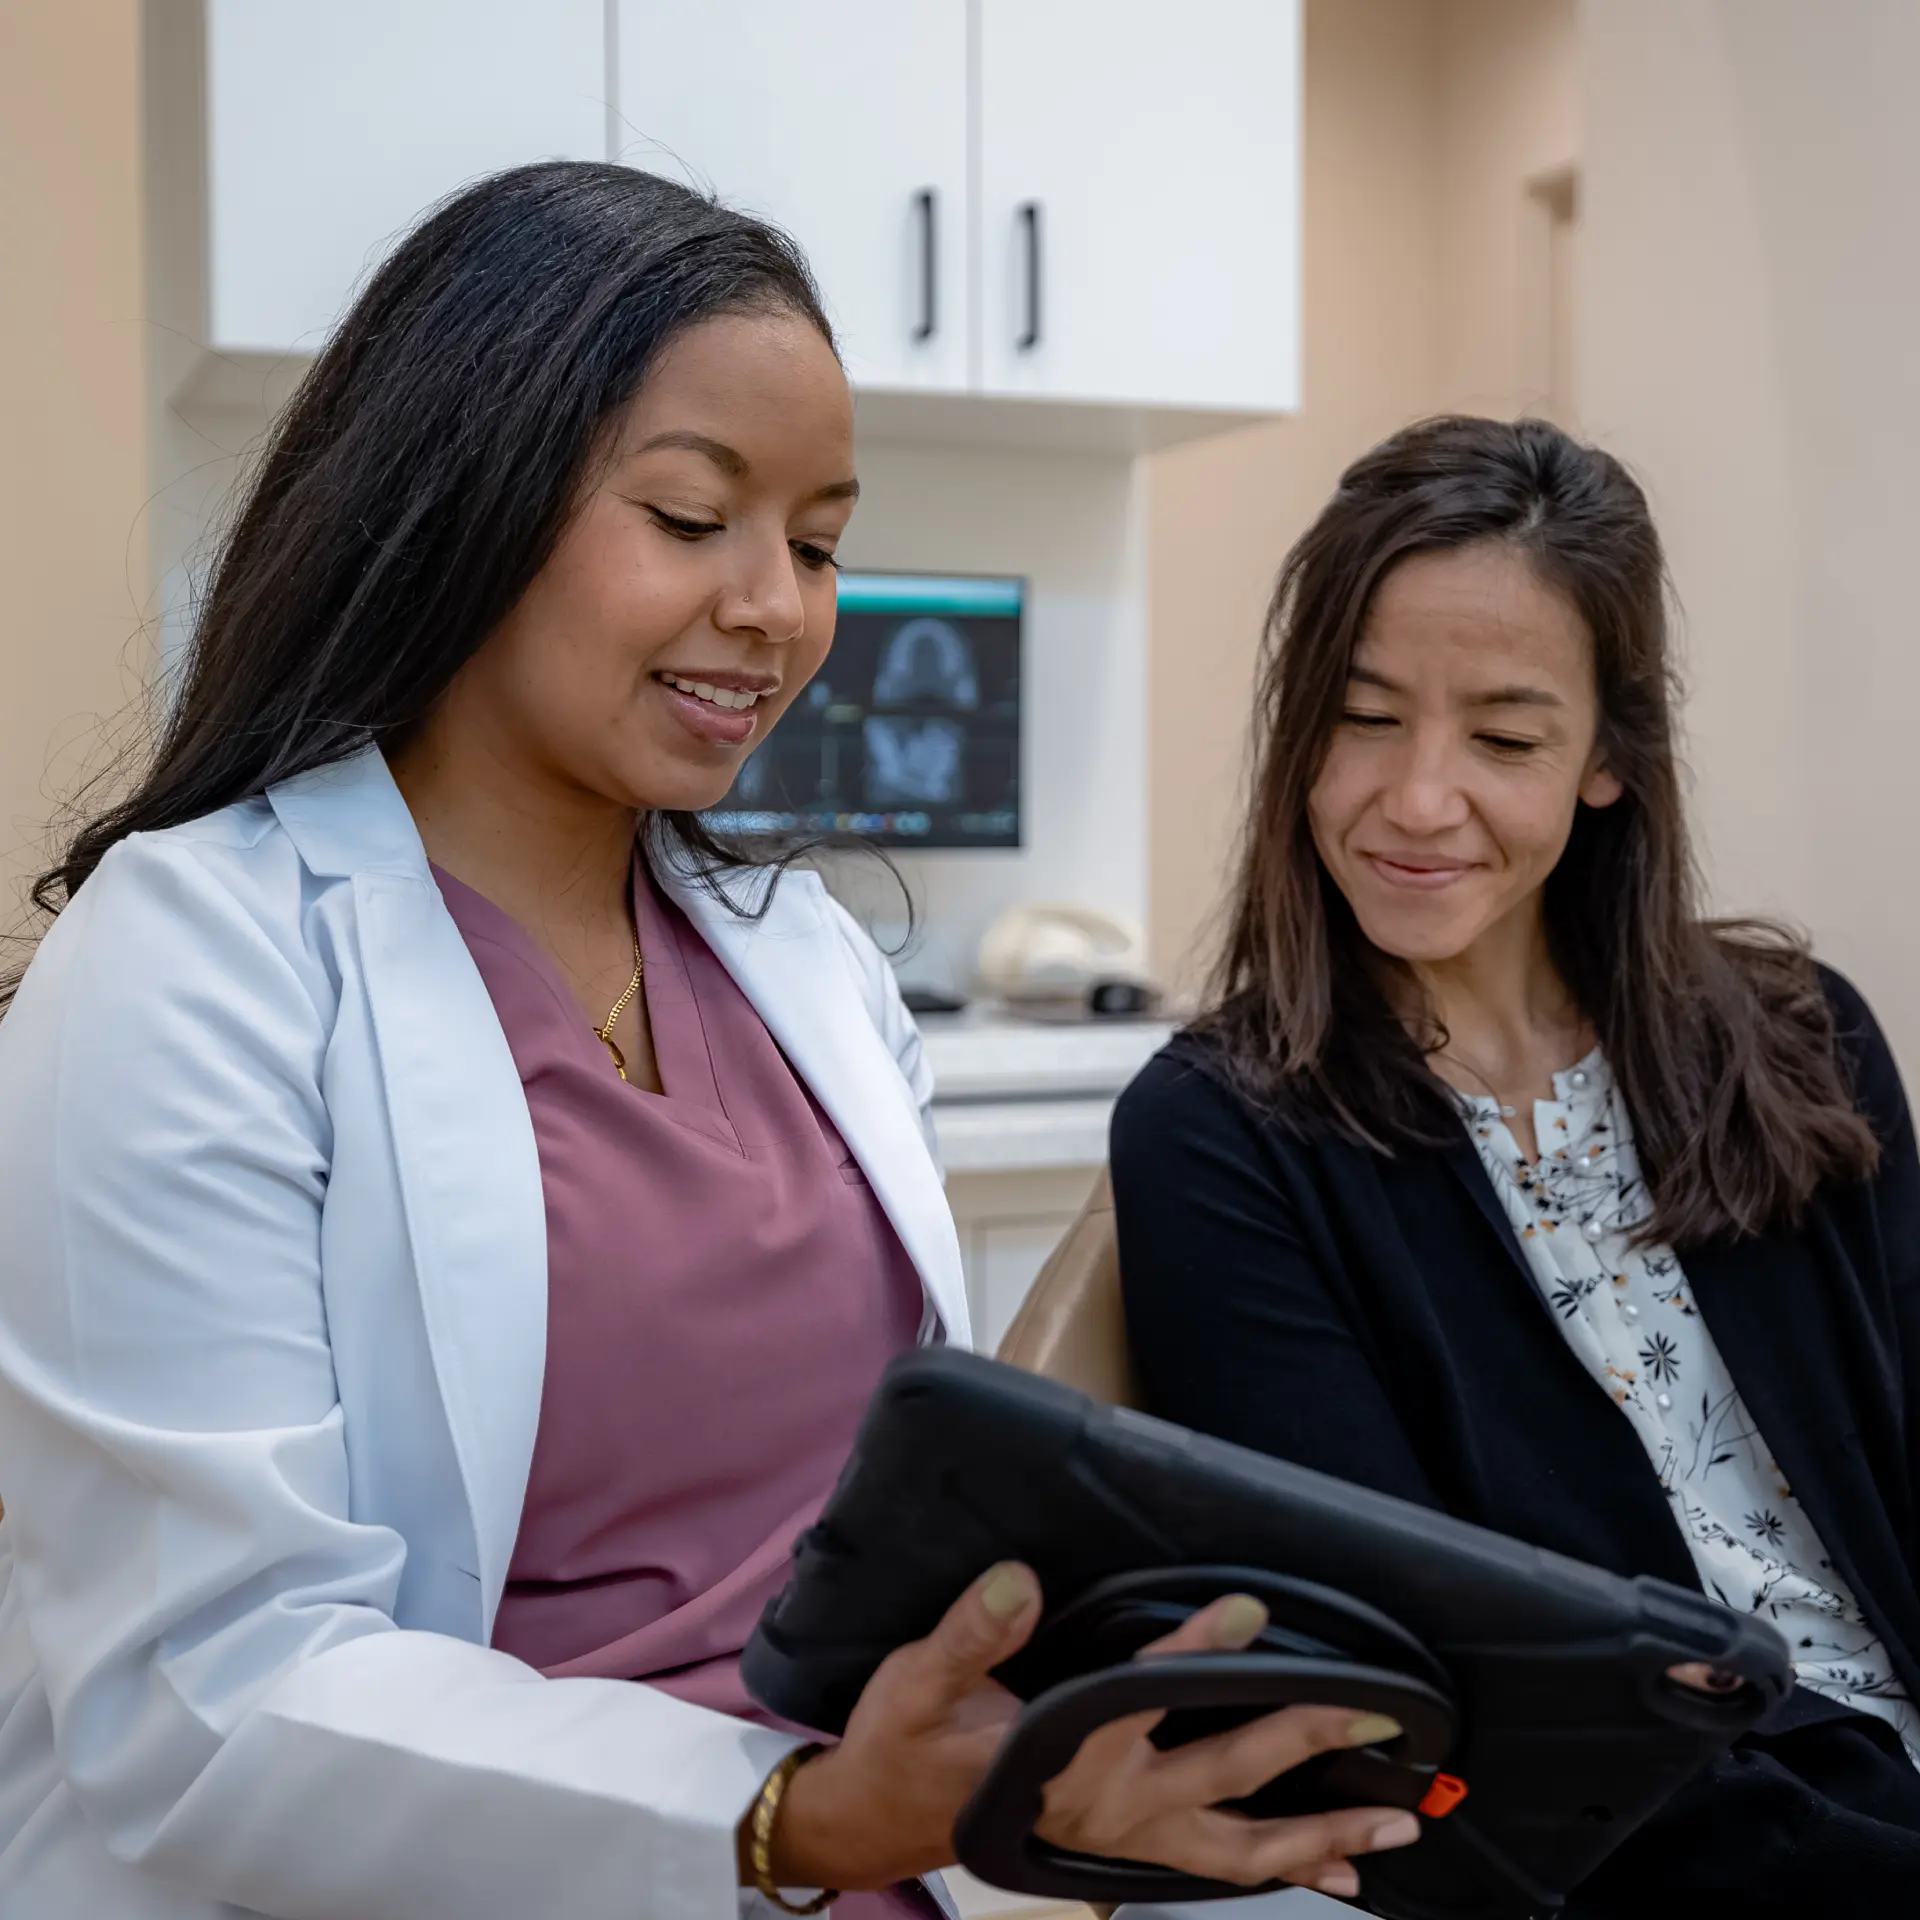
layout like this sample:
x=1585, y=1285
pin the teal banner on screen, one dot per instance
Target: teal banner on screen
x=959, y=596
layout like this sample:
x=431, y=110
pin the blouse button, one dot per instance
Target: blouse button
x=1663, y=1401
x=1577, y=1079
x=1593, y=1229
x=1629, y=1311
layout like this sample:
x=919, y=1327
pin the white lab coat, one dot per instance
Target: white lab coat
x=272, y=1334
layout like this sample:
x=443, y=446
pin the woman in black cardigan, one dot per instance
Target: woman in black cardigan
x=1499, y=1179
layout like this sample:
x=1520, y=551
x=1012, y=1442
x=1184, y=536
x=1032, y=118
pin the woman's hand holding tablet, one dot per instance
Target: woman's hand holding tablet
x=880, y=1807
x=1532, y=1709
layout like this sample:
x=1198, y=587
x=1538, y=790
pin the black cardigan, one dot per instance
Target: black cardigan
x=1374, y=1317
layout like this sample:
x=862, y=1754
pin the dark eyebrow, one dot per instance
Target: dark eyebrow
x=735, y=465
x=1515, y=696
x=1366, y=677
x=840, y=490
x=732, y=464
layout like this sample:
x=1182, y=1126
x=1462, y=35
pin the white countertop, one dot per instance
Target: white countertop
x=1016, y=1095
x=1025, y=1136
x=987, y=1054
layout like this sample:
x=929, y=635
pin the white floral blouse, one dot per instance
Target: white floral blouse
x=1629, y=1317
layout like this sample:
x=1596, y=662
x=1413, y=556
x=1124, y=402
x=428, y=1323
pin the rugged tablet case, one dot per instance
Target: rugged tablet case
x=1541, y=1727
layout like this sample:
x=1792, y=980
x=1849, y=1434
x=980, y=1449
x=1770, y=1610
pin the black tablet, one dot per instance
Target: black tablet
x=1540, y=1724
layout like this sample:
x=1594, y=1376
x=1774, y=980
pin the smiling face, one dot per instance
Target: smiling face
x=1467, y=740
x=692, y=595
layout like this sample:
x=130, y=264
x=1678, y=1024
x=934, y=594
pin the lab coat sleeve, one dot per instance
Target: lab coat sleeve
x=234, y=1706
x=881, y=991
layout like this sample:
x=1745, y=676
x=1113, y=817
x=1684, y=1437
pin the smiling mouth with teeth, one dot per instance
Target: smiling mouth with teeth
x=725, y=697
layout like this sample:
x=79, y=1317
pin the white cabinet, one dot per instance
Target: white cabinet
x=332, y=125
x=1052, y=199
x=845, y=122
x=1009, y=1224
x=1020, y=200
x=1139, y=201
x=1021, y=1114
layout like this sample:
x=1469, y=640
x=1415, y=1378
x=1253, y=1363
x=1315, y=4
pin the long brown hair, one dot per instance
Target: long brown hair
x=421, y=476
x=1718, y=1033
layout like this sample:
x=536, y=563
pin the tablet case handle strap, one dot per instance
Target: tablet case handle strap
x=994, y=1836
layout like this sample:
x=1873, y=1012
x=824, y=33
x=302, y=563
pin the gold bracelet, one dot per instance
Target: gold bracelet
x=766, y=1813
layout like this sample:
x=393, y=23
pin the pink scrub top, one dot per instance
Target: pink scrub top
x=723, y=1291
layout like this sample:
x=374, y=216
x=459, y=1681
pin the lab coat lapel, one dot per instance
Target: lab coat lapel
x=792, y=964
x=470, y=1184
x=468, y=1167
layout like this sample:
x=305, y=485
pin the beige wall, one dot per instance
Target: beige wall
x=1509, y=134
x=73, y=471
x=1748, y=295
x=1750, y=298
x=1223, y=511
x=1425, y=288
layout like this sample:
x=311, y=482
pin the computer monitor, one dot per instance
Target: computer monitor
x=910, y=734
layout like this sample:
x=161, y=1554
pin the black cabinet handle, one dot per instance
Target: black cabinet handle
x=1029, y=219
x=923, y=205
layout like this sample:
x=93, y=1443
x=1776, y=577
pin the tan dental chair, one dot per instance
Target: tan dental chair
x=1073, y=1324
x=1072, y=1327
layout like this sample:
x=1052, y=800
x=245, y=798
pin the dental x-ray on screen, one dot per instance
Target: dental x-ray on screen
x=910, y=734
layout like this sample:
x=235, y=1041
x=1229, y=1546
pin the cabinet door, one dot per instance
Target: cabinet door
x=1010, y=1221
x=1139, y=201
x=844, y=121
x=332, y=125
x=1004, y=1260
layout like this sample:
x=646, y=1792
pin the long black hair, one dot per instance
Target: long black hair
x=424, y=471
x=1720, y=1032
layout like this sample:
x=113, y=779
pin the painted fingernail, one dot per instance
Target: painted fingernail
x=1239, y=1623
x=1401, y=1830
x=1008, y=1588
x=1374, y=1730
x=1341, y=1882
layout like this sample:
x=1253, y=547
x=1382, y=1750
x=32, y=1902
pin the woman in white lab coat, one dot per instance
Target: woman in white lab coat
x=290, y=1256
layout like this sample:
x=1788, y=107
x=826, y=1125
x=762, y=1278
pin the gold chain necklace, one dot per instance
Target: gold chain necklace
x=604, y=1034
